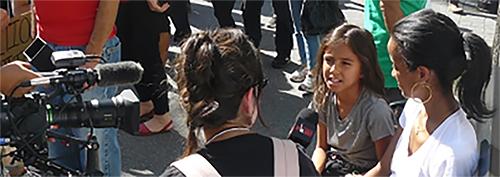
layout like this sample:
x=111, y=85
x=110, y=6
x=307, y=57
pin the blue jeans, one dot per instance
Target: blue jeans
x=307, y=56
x=312, y=48
x=73, y=156
x=296, y=6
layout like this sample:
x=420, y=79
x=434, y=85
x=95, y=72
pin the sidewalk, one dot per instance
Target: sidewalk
x=472, y=20
x=281, y=100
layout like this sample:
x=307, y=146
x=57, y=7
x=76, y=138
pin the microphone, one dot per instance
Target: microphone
x=112, y=74
x=304, y=128
x=121, y=73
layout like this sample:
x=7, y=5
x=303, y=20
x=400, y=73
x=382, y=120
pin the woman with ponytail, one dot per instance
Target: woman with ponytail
x=220, y=82
x=443, y=73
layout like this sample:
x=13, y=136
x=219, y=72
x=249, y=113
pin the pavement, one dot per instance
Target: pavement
x=281, y=101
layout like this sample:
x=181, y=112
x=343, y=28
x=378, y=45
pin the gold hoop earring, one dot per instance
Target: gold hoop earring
x=426, y=86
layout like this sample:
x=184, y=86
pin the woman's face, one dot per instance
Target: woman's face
x=341, y=68
x=400, y=70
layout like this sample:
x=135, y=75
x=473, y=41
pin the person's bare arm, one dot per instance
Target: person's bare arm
x=391, y=10
x=4, y=19
x=319, y=154
x=383, y=168
x=103, y=25
x=381, y=146
x=21, y=6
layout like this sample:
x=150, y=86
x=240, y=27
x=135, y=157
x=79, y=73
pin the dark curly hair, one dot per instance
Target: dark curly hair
x=215, y=67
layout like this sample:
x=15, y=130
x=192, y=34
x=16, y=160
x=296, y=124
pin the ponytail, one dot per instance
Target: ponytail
x=471, y=86
x=197, y=66
x=216, y=68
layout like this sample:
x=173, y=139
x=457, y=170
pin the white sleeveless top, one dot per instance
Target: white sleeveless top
x=451, y=150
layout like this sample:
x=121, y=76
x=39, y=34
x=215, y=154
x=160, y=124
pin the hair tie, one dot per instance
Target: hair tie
x=467, y=49
x=211, y=107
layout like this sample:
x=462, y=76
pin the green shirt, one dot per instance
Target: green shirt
x=374, y=22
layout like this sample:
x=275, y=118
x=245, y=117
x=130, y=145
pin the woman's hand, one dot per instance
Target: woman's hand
x=155, y=6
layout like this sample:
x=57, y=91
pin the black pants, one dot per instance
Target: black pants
x=284, y=26
x=223, y=12
x=178, y=12
x=139, y=30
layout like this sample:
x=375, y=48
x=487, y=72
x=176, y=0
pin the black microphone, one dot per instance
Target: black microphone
x=304, y=128
x=112, y=74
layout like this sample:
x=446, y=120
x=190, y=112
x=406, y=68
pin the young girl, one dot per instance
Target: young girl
x=435, y=138
x=356, y=123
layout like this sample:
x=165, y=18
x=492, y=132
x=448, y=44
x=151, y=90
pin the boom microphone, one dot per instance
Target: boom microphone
x=112, y=74
x=120, y=73
x=304, y=128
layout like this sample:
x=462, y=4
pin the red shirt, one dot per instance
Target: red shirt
x=66, y=22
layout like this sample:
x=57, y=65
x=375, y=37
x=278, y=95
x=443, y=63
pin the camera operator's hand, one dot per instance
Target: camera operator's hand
x=91, y=63
x=13, y=74
x=154, y=6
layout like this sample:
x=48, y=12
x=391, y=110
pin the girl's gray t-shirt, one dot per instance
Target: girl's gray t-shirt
x=354, y=137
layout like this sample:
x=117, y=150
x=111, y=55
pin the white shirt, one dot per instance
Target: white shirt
x=451, y=150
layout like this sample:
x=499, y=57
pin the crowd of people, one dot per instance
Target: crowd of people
x=403, y=52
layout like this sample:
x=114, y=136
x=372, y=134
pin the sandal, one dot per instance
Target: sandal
x=145, y=131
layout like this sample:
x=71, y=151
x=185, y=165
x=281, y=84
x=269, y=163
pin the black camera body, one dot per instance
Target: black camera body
x=25, y=124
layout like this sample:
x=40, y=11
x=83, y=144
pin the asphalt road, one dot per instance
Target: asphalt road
x=281, y=101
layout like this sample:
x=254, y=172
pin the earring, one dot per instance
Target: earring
x=426, y=86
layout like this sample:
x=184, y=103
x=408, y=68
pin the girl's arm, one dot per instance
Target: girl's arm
x=381, y=146
x=383, y=168
x=319, y=154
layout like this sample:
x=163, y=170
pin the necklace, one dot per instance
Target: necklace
x=419, y=127
x=226, y=131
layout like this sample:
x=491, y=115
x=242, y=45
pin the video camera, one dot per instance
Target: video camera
x=26, y=122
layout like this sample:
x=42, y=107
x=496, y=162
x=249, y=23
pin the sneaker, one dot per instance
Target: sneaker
x=280, y=62
x=272, y=22
x=455, y=8
x=300, y=74
x=307, y=85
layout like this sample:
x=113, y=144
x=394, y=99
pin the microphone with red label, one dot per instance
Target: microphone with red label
x=304, y=128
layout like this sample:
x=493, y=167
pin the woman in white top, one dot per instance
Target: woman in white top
x=435, y=138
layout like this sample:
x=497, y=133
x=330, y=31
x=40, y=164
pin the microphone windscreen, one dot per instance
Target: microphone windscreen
x=304, y=128
x=308, y=114
x=121, y=73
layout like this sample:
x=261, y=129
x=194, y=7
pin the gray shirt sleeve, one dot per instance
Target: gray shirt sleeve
x=380, y=121
x=321, y=113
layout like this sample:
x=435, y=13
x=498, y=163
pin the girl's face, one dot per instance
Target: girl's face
x=400, y=70
x=341, y=68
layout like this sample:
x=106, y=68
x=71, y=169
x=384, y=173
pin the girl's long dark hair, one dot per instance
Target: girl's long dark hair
x=431, y=39
x=361, y=43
